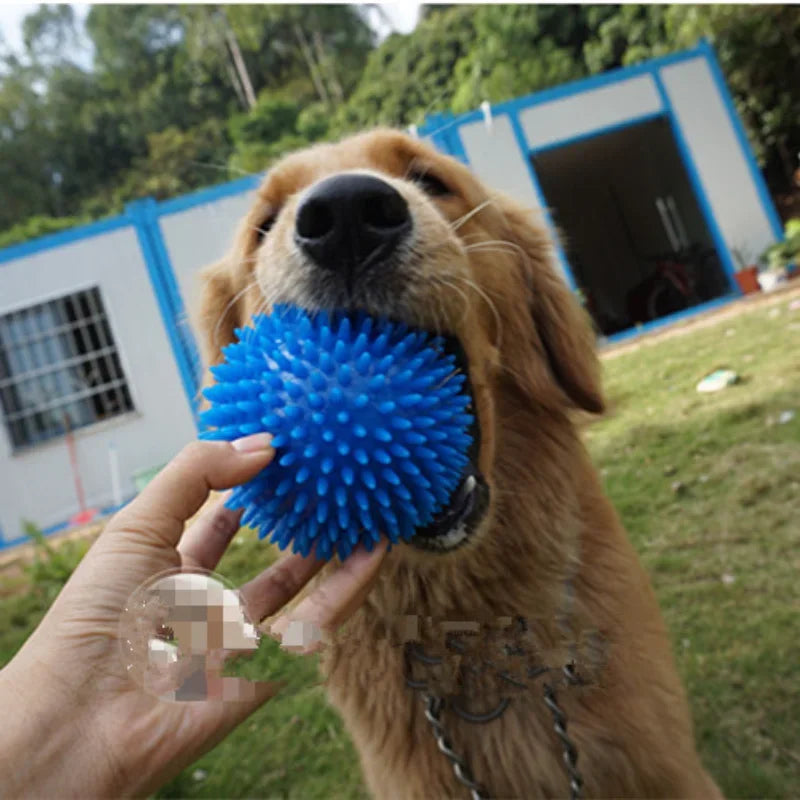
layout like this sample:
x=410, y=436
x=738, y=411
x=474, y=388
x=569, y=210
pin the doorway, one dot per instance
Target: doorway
x=633, y=231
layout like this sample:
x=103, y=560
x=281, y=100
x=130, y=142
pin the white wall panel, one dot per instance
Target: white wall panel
x=716, y=152
x=556, y=120
x=496, y=159
x=199, y=236
x=36, y=483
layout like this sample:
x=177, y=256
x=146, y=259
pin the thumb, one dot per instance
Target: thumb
x=180, y=489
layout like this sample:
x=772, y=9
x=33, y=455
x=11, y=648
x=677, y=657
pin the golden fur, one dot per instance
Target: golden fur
x=551, y=549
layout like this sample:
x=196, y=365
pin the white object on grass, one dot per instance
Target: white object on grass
x=719, y=379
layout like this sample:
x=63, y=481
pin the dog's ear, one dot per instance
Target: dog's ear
x=561, y=330
x=219, y=312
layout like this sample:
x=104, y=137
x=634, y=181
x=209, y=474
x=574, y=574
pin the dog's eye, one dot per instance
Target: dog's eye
x=264, y=228
x=431, y=184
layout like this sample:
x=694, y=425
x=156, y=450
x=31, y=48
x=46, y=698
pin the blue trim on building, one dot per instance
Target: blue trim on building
x=525, y=152
x=59, y=239
x=662, y=322
x=436, y=123
x=720, y=244
x=617, y=126
x=209, y=195
x=144, y=216
x=444, y=127
x=741, y=135
x=178, y=308
x=5, y=545
x=566, y=89
x=61, y=526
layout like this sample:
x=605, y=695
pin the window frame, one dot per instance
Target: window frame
x=85, y=346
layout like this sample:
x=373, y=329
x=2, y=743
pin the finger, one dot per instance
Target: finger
x=205, y=541
x=333, y=602
x=181, y=488
x=276, y=586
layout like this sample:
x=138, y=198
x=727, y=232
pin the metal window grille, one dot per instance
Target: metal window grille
x=59, y=368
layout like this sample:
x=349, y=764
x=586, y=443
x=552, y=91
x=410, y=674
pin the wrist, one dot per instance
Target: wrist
x=48, y=745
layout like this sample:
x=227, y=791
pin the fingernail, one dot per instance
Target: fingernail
x=253, y=444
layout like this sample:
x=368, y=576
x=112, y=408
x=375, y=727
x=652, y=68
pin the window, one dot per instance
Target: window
x=59, y=368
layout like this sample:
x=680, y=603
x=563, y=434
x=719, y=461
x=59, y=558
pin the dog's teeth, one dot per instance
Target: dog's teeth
x=453, y=537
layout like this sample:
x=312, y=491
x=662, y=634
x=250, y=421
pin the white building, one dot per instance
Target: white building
x=646, y=171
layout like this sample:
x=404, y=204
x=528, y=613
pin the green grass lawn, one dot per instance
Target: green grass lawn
x=709, y=489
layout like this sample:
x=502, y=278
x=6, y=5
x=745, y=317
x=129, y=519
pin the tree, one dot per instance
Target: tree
x=49, y=32
x=519, y=49
x=759, y=51
x=181, y=96
x=409, y=76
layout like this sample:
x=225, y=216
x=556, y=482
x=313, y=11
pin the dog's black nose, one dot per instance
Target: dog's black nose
x=351, y=222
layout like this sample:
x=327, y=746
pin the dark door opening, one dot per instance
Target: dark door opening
x=633, y=232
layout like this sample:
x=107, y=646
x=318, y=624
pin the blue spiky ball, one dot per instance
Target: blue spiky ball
x=370, y=422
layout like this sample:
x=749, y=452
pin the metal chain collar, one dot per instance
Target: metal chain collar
x=435, y=705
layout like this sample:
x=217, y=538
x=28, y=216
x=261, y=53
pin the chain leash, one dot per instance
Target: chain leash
x=435, y=705
x=433, y=709
x=570, y=752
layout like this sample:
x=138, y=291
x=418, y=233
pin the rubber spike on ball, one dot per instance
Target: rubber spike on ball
x=370, y=420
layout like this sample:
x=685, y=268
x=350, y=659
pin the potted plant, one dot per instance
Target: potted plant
x=747, y=274
x=782, y=259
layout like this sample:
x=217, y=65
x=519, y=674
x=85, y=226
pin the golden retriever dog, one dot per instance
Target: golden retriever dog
x=520, y=617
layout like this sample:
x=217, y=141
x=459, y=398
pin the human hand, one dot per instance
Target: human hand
x=79, y=726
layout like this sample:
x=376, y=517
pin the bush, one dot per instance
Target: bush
x=786, y=253
x=52, y=565
x=271, y=118
x=313, y=122
x=33, y=227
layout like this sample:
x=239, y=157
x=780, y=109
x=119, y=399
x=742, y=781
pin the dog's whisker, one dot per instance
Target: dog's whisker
x=498, y=320
x=465, y=300
x=229, y=306
x=498, y=245
x=456, y=224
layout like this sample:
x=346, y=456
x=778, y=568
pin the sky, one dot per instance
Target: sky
x=402, y=14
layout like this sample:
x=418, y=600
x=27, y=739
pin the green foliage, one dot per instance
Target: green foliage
x=271, y=118
x=52, y=564
x=165, y=80
x=33, y=227
x=758, y=48
x=265, y=133
x=313, y=122
x=722, y=554
x=235, y=87
x=786, y=253
x=177, y=161
x=409, y=76
x=517, y=50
